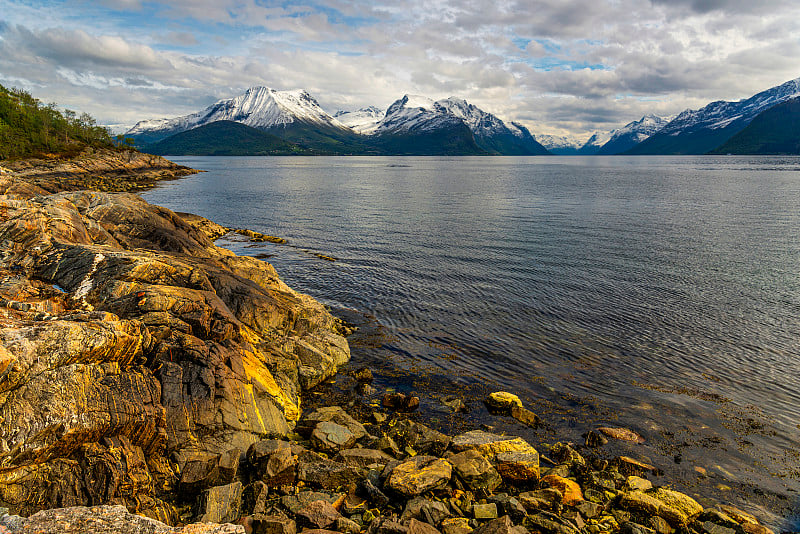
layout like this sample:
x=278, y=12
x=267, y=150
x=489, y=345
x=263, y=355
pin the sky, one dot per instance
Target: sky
x=561, y=67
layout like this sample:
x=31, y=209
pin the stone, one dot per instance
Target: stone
x=501, y=525
x=595, y=439
x=273, y=524
x=637, y=483
x=518, y=467
x=548, y=523
x=485, y=511
x=228, y=466
x=713, y=528
x=634, y=528
x=589, y=510
x=570, y=490
x=254, y=498
x=221, y=504
x=502, y=401
x=333, y=414
x=687, y=507
x=641, y=502
x=419, y=527
x=754, y=528
x=373, y=493
x=331, y=437
x=315, y=470
x=542, y=499
x=317, y=514
x=387, y=526
x=564, y=453
x=660, y=525
x=629, y=466
x=420, y=474
x=111, y=520
x=295, y=503
x=364, y=458
x=400, y=402
x=347, y=526
x=489, y=444
x=421, y=438
x=510, y=506
x=433, y=512
x=363, y=375
x=740, y=516
x=456, y=525
x=525, y=416
x=623, y=434
x=272, y=461
x=475, y=471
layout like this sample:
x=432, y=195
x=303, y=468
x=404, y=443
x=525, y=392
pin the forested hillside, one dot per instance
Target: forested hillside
x=30, y=128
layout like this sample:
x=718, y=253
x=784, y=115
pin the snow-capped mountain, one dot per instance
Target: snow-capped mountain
x=557, y=142
x=632, y=134
x=418, y=114
x=596, y=141
x=363, y=121
x=699, y=131
x=259, y=107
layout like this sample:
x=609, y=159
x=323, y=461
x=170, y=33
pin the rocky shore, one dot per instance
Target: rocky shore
x=143, y=370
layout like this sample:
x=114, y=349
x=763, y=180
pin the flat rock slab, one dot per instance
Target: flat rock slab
x=419, y=475
x=332, y=437
x=475, y=471
x=490, y=444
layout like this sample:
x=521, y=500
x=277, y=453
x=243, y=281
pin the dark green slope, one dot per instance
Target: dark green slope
x=456, y=140
x=698, y=142
x=774, y=131
x=225, y=138
x=324, y=140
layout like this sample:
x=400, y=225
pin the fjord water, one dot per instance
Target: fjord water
x=659, y=293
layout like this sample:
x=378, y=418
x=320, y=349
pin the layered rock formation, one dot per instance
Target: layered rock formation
x=132, y=346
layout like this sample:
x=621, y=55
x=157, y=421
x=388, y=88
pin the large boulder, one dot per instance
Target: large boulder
x=420, y=474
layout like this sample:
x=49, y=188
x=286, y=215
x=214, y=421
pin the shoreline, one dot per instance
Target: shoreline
x=108, y=240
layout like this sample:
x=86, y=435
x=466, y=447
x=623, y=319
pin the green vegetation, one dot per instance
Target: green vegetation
x=29, y=128
x=225, y=138
x=774, y=131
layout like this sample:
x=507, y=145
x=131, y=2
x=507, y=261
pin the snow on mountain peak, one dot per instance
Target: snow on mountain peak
x=363, y=121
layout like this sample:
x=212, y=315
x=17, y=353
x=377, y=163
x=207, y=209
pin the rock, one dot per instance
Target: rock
x=363, y=375
x=637, y=483
x=456, y=404
x=634, y=528
x=589, y=510
x=272, y=461
x=485, y=511
x=549, y=524
x=713, y=528
x=228, y=466
x=426, y=510
x=365, y=458
x=111, y=520
x=313, y=469
x=570, y=490
x=456, y=525
x=254, y=498
x=221, y=504
x=595, y=439
x=502, y=402
x=740, y=516
x=400, y=402
x=489, y=444
x=501, y=525
x=622, y=434
x=204, y=470
x=420, y=474
x=543, y=499
x=564, y=453
x=629, y=466
x=331, y=437
x=687, y=507
x=333, y=414
x=317, y=514
x=273, y=524
x=347, y=526
x=507, y=505
x=517, y=467
x=754, y=528
x=373, y=493
x=475, y=471
x=525, y=416
x=419, y=437
x=640, y=501
x=295, y=503
x=419, y=527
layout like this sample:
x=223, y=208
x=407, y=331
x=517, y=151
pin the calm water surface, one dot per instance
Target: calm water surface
x=659, y=293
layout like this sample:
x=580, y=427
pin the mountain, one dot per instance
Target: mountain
x=363, y=121
x=632, y=134
x=703, y=130
x=559, y=145
x=464, y=126
x=774, y=131
x=225, y=138
x=595, y=143
x=292, y=115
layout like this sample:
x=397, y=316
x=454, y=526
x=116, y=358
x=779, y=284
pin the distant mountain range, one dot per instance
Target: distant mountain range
x=416, y=125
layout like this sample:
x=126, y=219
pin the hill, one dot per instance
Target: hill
x=28, y=128
x=225, y=138
x=774, y=131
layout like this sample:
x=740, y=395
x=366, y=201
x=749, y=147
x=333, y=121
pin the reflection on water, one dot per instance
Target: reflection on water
x=660, y=293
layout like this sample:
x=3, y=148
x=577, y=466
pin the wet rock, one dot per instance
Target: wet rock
x=637, y=483
x=221, y=504
x=588, y=509
x=507, y=505
x=373, y=493
x=273, y=524
x=423, y=439
x=426, y=510
x=272, y=461
x=319, y=471
x=420, y=474
x=687, y=508
x=400, y=402
x=623, y=434
x=628, y=466
x=332, y=437
x=595, y=439
x=475, y=471
x=365, y=458
x=542, y=499
x=635, y=528
x=484, y=511
x=489, y=444
x=317, y=514
x=517, y=467
x=754, y=528
x=639, y=501
x=383, y=525
x=254, y=498
x=346, y=526
x=502, y=402
x=419, y=527
x=713, y=528
x=333, y=414
x=363, y=375
x=456, y=404
x=660, y=525
x=456, y=525
x=570, y=490
x=564, y=453
x=525, y=416
x=501, y=525
x=549, y=524
x=295, y=503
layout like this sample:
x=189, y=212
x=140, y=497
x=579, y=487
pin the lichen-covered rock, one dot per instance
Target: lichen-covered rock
x=221, y=504
x=133, y=326
x=518, y=467
x=570, y=490
x=475, y=471
x=331, y=437
x=490, y=444
x=419, y=475
x=502, y=401
x=421, y=438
